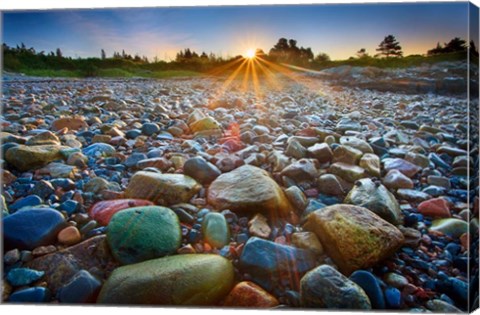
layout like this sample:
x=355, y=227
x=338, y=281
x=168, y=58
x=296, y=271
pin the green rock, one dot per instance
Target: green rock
x=143, y=233
x=350, y=173
x=195, y=279
x=450, y=226
x=25, y=158
x=325, y=287
x=376, y=198
x=215, y=230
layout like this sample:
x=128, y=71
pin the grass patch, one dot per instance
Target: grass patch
x=169, y=74
x=52, y=73
x=114, y=73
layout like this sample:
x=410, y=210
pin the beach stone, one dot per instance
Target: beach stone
x=308, y=241
x=395, y=280
x=103, y=211
x=451, y=151
x=356, y=143
x=98, y=138
x=133, y=159
x=31, y=227
x=25, y=158
x=248, y=294
x=296, y=150
x=82, y=288
x=202, y=171
x=58, y=170
x=204, y=124
x=440, y=306
x=376, y=198
x=296, y=197
x=195, y=279
x=437, y=207
x=332, y=185
x=346, y=154
x=321, y=151
x=354, y=237
x=60, y=266
x=439, y=181
x=69, y=236
x=150, y=129
x=143, y=233
x=412, y=195
x=258, y=226
x=395, y=180
x=44, y=138
x=417, y=159
x=96, y=185
x=405, y=167
x=72, y=123
x=371, y=163
x=266, y=261
x=393, y=298
x=301, y=170
x=325, y=287
x=97, y=150
x=163, y=189
x=30, y=295
x=23, y=276
x=450, y=226
x=370, y=286
x=345, y=124
x=233, y=191
x=78, y=159
x=350, y=173
x=160, y=163
x=11, y=257
x=215, y=230
x=28, y=201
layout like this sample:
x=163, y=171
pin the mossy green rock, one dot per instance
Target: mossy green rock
x=450, y=226
x=354, y=237
x=196, y=279
x=25, y=158
x=215, y=230
x=143, y=233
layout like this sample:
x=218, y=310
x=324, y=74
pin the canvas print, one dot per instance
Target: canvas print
x=320, y=156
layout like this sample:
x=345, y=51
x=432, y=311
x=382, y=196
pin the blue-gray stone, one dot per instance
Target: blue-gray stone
x=23, y=276
x=164, y=136
x=29, y=201
x=132, y=134
x=98, y=150
x=267, y=261
x=201, y=170
x=133, y=159
x=393, y=298
x=31, y=228
x=30, y=295
x=70, y=206
x=437, y=160
x=82, y=288
x=149, y=129
x=371, y=286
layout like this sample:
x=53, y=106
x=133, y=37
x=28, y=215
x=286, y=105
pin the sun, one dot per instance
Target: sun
x=250, y=54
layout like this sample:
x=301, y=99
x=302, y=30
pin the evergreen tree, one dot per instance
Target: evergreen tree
x=103, y=55
x=59, y=53
x=389, y=47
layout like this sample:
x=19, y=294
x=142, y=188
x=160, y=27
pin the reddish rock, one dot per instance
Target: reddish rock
x=248, y=294
x=72, y=123
x=465, y=240
x=103, y=211
x=407, y=168
x=69, y=236
x=437, y=207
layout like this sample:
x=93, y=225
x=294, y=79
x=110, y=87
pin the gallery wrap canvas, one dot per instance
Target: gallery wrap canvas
x=288, y=157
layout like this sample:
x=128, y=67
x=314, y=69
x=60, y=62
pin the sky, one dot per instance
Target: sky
x=339, y=30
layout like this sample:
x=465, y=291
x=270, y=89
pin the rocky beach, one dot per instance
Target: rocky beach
x=302, y=193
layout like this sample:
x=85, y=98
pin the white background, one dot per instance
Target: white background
x=82, y=310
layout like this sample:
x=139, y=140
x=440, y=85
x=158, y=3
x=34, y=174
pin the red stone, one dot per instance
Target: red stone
x=248, y=294
x=437, y=207
x=465, y=240
x=103, y=211
x=233, y=145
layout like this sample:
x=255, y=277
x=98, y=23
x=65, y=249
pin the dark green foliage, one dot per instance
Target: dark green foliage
x=455, y=45
x=286, y=51
x=389, y=47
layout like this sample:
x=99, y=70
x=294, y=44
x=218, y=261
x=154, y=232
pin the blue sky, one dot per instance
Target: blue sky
x=336, y=29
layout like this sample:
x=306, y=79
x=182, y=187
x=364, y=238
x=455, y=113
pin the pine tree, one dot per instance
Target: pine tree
x=103, y=54
x=389, y=47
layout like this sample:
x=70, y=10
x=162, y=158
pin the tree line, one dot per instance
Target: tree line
x=284, y=51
